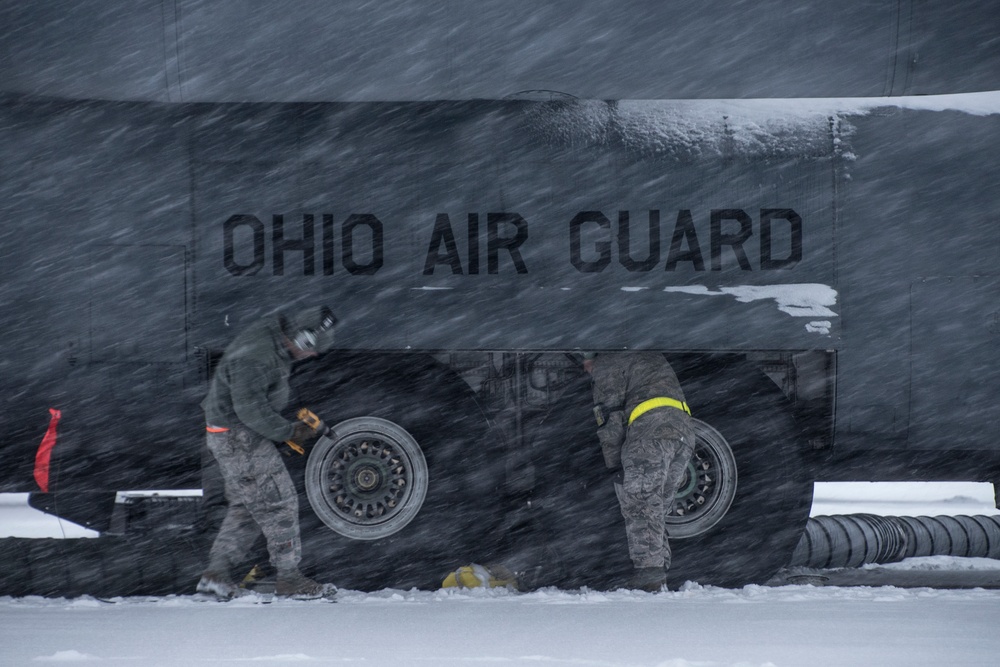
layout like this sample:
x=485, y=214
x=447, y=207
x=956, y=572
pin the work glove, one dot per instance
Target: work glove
x=304, y=435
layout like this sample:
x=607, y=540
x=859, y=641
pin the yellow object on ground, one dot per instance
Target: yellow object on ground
x=479, y=576
x=253, y=576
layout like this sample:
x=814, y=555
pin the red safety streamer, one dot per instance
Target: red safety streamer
x=44, y=454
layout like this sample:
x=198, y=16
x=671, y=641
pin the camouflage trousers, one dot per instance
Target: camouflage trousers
x=653, y=470
x=261, y=498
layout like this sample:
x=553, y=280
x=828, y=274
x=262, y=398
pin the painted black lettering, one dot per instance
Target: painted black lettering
x=256, y=228
x=304, y=245
x=327, y=244
x=473, y=244
x=624, y=243
x=735, y=241
x=795, y=243
x=495, y=242
x=443, y=234
x=347, y=244
x=603, y=248
x=684, y=231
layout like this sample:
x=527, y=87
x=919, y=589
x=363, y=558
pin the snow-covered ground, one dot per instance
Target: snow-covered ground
x=903, y=499
x=694, y=627
x=697, y=627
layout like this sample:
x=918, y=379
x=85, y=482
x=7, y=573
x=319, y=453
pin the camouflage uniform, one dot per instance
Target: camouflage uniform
x=653, y=451
x=261, y=498
x=242, y=410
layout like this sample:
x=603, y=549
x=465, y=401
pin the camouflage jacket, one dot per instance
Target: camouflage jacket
x=623, y=380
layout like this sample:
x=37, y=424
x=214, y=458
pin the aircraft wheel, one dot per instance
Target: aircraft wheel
x=405, y=489
x=758, y=533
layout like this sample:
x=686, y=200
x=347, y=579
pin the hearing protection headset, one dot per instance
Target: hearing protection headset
x=307, y=338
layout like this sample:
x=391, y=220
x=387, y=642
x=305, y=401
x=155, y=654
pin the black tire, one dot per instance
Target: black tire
x=580, y=524
x=457, y=520
x=758, y=534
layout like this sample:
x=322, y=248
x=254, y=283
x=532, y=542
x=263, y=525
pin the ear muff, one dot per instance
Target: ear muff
x=329, y=319
x=307, y=339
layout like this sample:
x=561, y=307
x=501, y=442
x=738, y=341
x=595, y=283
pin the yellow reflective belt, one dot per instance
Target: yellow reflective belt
x=658, y=402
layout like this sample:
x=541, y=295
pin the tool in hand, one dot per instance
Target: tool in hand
x=310, y=419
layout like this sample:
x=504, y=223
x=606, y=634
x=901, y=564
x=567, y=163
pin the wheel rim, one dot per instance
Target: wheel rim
x=708, y=488
x=368, y=479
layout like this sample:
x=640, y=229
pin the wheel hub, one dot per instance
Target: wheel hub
x=708, y=487
x=367, y=478
x=699, y=484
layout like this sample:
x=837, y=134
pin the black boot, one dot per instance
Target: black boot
x=650, y=579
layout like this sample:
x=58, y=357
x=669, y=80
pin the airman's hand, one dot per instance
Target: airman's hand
x=304, y=435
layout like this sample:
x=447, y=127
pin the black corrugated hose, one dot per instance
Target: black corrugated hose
x=852, y=540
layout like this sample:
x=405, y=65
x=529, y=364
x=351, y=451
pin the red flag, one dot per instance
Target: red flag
x=44, y=454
